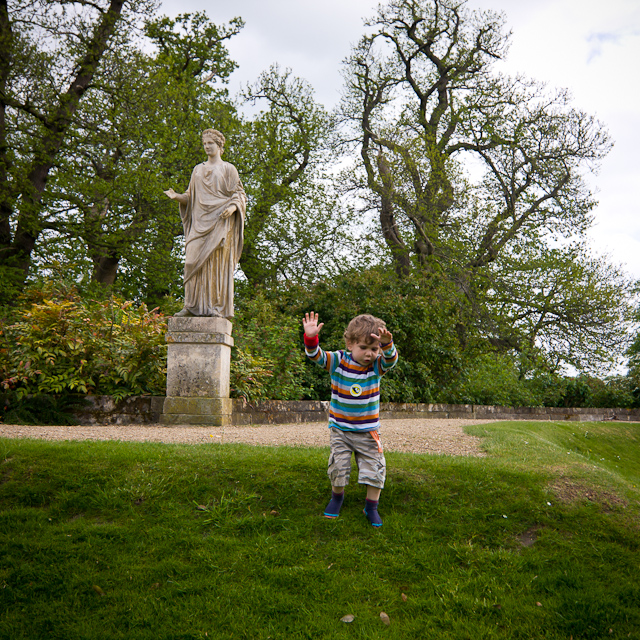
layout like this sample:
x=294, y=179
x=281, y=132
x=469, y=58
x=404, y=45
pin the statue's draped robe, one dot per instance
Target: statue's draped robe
x=213, y=244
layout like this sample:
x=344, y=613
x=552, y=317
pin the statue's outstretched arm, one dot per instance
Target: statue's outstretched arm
x=182, y=198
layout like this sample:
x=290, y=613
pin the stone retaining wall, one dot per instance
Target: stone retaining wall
x=147, y=410
x=489, y=412
x=132, y=410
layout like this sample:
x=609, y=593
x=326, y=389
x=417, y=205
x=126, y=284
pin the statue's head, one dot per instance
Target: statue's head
x=216, y=136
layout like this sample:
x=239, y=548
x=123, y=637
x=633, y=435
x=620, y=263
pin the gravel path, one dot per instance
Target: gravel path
x=439, y=436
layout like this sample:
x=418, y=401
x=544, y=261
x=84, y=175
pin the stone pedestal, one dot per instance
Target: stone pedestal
x=198, y=359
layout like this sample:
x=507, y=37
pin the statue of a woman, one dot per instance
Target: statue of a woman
x=212, y=212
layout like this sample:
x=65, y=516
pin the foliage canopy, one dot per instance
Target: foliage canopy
x=423, y=101
x=478, y=182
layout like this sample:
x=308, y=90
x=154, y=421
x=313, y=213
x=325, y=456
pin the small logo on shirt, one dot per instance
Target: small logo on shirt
x=356, y=390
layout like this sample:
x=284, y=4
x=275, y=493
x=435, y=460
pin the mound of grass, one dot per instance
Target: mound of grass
x=119, y=540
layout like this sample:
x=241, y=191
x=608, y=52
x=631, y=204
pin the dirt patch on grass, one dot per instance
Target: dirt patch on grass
x=569, y=491
x=529, y=537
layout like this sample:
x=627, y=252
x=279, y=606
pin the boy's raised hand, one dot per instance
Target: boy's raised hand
x=385, y=337
x=310, y=324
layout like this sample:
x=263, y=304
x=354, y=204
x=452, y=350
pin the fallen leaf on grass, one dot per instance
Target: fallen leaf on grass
x=98, y=590
x=538, y=604
x=201, y=507
x=348, y=618
x=275, y=513
x=385, y=618
x=404, y=597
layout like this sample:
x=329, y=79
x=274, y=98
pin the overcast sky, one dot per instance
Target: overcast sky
x=590, y=47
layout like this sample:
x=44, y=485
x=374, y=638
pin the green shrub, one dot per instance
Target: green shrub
x=493, y=379
x=443, y=358
x=419, y=311
x=587, y=391
x=249, y=375
x=39, y=409
x=267, y=361
x=59, y=343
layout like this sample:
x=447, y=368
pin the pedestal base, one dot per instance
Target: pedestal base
x=198, y=361
x=216, y=412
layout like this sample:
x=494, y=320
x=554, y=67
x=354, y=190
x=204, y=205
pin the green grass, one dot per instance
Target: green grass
x=540, y=539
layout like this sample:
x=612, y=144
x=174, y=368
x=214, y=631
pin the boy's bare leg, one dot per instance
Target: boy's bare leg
x=373, y=493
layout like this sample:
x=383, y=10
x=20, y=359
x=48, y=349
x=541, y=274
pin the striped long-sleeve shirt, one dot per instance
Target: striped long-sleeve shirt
x=355, y=389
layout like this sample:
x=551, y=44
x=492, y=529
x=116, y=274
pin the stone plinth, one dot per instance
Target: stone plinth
x=198, y=359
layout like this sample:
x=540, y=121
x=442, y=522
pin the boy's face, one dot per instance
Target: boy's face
x=364, y=352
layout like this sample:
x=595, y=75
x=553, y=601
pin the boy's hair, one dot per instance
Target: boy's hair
x=361, y=328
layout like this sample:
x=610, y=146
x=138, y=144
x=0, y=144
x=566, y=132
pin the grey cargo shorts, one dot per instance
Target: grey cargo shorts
x=372, y=467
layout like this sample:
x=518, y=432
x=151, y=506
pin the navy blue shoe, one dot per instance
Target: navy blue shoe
x=371, y=511
x=333, y=508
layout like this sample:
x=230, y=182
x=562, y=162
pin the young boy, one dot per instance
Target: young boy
x=354, y=410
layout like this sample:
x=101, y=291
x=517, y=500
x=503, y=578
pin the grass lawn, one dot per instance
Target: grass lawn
x=539, y=539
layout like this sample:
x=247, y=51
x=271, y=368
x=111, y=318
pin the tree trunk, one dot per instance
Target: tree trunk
x=399, y=251
x=105, y=269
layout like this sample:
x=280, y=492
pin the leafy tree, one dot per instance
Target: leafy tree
x=561, y=303
x=50, y=53
x=296, y=228
x=137, y=132
x=421, y=102
x=633, y=354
